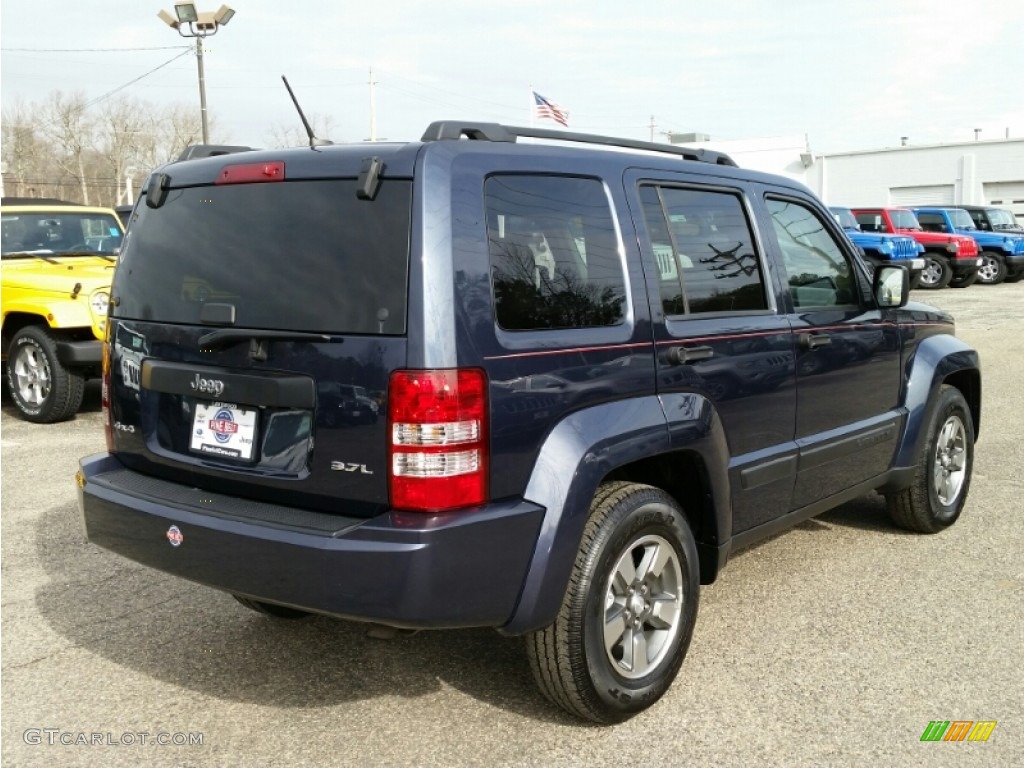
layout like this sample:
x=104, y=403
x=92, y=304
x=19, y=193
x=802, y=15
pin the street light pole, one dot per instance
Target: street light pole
x=202, y=90
x=199, y=25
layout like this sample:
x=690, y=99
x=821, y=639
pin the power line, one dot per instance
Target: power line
x=94, y=50
x=130, y=82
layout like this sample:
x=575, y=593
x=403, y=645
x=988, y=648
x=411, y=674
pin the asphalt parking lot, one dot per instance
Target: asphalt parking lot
x=833, y=644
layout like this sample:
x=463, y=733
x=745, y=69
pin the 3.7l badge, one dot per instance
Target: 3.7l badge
x=345, y=466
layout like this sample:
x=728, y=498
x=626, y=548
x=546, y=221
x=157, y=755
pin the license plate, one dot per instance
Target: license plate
x=129, y=371
x=223, y=429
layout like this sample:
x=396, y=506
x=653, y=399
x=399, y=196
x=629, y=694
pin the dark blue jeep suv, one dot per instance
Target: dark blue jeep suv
x=598, y=373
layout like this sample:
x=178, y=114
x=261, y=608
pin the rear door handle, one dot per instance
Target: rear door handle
x=815, y=340
x=684, y=355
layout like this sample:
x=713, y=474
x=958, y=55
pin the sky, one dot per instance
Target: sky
x=848, y=75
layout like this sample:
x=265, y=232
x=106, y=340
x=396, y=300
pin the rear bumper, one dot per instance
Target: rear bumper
x=459, y=569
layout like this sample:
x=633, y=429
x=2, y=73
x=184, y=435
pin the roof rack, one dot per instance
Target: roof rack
x=445, y=130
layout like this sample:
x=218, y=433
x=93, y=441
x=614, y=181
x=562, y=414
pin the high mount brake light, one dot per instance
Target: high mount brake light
x=437, y=430
x=247, y=173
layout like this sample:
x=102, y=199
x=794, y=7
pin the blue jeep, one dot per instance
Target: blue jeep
x=882, y=248
x=601, y=373
x=1002, y=253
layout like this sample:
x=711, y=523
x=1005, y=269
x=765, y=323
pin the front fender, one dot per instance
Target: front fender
x=57, y=312
x=936, y=359
x=577, y=455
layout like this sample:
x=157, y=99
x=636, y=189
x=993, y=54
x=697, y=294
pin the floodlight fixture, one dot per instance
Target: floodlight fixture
x=224, y=15
x=186, y=13
x=167, y=19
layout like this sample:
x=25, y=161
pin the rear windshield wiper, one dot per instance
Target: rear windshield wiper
x=225, y=337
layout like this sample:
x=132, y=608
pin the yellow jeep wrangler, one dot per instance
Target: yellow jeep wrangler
x=57, y=266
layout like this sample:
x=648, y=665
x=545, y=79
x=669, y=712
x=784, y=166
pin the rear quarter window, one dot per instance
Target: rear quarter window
x=554, y=253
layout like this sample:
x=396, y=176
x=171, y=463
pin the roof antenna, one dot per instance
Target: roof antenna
x=313, y=140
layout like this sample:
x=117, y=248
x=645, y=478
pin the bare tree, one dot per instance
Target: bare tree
x=23, y=149
x=73, y=150
x=66, y=123
x=294, y=135
x=126, y=132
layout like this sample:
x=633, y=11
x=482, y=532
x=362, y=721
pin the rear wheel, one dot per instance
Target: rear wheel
x=1015, y=278
x=936, y=273
x=628, y=613
x=270, y=609
x=936, y=497
x=43, y=390
x=992, y=270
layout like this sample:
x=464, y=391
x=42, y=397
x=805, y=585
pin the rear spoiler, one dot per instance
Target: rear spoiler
x=210, y=150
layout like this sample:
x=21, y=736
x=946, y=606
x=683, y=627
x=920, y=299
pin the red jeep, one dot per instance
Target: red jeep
x=949, y=259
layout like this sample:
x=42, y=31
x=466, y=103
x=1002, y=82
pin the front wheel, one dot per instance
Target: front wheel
x=43, y=390
x=628, y=613
x=936, y=273
x=937, y=494
x=992, y=270
x=964, y=282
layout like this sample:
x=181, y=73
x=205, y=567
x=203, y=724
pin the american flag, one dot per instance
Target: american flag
x=548, y=108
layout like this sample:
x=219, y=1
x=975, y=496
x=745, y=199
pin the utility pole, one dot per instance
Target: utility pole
x=373, y=107
x=652, y=128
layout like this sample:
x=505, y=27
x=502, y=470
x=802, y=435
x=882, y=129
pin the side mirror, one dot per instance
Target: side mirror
x=891, y=285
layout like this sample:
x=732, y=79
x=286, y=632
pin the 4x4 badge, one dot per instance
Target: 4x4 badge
x=174, y=536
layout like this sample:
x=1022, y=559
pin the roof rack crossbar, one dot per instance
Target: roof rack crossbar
x=451, y=129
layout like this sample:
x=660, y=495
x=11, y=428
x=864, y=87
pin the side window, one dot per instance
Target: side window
x=704, y=250
x=932, y=222
x=555, y=257
x=818, y=273
x=871, y=222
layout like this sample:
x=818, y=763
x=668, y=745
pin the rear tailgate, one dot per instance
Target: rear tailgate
x=253, y=331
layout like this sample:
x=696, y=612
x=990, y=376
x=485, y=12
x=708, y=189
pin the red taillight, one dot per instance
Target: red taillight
x=246, y=173
x=108, y=428
x=437, y=432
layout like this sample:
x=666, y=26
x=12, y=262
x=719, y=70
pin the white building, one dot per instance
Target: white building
x=989, y=172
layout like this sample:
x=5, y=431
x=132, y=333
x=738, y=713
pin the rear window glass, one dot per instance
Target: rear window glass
x=296, y=255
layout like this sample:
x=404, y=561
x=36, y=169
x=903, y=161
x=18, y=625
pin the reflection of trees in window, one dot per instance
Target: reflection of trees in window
x=529, y=297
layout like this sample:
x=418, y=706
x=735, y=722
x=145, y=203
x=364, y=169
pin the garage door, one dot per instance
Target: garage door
x=1006, y=194
x=907, y=197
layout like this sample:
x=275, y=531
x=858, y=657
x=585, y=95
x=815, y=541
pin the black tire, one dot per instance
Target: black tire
x=936, y=273
x=574, y=660
x=43, y=390
x=915, y=280
x=992, y=270
x=270, y=609
x=964, y=282
x=924, y=507
x=1015, y=278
